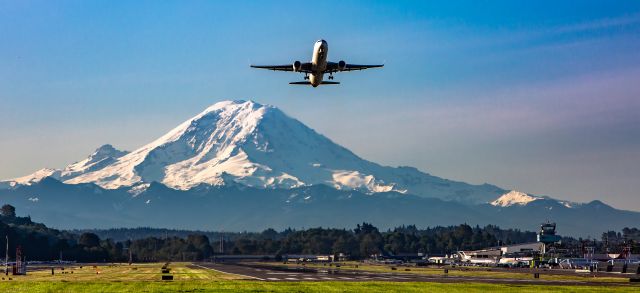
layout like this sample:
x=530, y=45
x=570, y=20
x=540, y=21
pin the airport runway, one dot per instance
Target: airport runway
x=284, y=274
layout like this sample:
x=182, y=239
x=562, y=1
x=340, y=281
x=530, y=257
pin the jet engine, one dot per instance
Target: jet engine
x=297, y=66
x=342, y=65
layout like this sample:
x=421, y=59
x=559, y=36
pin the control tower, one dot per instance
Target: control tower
x=547, y=235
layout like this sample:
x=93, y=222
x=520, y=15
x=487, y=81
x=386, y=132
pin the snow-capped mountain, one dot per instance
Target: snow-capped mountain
x=243, y=142
x=514, y=198
x=517, y=198
x=245, y=166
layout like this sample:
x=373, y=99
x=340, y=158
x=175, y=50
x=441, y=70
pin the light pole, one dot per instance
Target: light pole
x=6, y=258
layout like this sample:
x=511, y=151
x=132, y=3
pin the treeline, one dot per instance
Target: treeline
x=38, y=242
x=123, y=234
x=362, y=241
x=366, y=240
x=41, y=243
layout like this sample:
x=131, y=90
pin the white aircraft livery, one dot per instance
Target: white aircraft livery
x=315, y=70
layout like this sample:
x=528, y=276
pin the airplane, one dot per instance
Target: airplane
x=315, y=70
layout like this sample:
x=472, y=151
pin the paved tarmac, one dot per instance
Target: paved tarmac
x=288, y=274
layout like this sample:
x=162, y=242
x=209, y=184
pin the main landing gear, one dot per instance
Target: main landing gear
x=330, y=75
x=306, y=76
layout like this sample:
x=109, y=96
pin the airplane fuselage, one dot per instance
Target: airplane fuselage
x=315, y=69
x=318, y=62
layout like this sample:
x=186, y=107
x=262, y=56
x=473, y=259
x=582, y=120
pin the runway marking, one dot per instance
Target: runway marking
x=292, y=279
x=276, y=273
x=326, y=278
x=250, y=277
x=345, y=278
x=273, y=279
x=310, y=278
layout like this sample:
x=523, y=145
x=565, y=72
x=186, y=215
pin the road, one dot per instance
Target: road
x=283, y=274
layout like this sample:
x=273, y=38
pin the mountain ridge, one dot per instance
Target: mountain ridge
x=245, y=208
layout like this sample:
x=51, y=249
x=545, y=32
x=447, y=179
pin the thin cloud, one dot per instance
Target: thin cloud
x=600, y=24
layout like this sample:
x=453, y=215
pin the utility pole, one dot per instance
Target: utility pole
x=155, y=248
x=221, y=243
x=130, y=253
x=6, y=258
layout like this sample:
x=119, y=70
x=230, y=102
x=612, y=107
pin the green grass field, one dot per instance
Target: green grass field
x=257, y=286
x=122, y=273
x=146, y=278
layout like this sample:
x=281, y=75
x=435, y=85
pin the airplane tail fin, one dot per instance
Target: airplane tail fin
x=309, y=83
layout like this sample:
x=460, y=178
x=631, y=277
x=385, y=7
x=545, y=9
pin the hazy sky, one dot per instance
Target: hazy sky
x=541, y=97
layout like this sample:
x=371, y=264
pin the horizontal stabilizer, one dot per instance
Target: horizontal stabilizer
x=309, y=83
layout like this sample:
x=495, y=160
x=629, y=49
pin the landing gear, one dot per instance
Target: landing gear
x=330, y=76
x=306, y=76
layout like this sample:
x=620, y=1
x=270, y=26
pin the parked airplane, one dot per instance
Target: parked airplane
x=314, y=71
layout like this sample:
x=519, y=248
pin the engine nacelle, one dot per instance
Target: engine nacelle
x=297, y=66
x=342, y=65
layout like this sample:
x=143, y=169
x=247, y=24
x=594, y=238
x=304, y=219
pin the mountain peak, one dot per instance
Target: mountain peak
x=203, y=149
x=230, y=105
x=101, y=157
x=514, y=197
x=597, y=204
x=107, y=150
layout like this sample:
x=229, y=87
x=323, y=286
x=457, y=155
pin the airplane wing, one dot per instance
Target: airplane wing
x=309, y=83
x=304, y=67
x=335, y=67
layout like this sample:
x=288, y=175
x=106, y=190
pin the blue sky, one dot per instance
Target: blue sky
x=542, y=97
